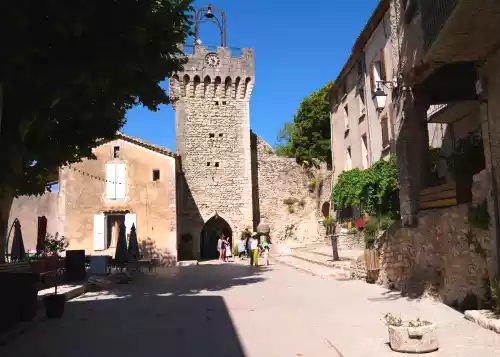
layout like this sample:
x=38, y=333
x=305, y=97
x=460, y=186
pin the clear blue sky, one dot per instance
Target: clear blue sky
x=299, y=47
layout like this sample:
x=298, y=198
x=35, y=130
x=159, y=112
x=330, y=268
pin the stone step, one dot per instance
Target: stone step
x=323, y=259
x=336, y=273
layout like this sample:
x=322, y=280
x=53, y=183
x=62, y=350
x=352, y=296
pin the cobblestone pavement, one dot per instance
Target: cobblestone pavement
x=234, y=310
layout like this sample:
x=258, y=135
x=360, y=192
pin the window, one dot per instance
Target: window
x=220, y=135
x=116, y=185
x=211, y=135
x=216, y=164
x=361, y=98
x=377, y=71
x=156, y=175
x=216, y=102
x=348, y=160
x=208, y=163
x=346, y=117
x=116, y=152
x=364, y=151
x=224, y=102
x=384, y=123
x=359, y=66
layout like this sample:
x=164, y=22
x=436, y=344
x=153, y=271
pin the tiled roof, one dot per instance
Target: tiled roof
x=146, y=144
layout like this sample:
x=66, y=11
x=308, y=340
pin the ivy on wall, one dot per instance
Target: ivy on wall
x=375, y=190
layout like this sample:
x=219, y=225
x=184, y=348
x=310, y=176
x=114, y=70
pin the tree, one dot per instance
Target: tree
x=69, y=73
x=307, y=138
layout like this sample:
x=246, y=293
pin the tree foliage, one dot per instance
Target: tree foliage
x=375, y=189
x=69, y=71
x=307, y=138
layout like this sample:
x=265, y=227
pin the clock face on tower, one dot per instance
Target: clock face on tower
x=212, y=60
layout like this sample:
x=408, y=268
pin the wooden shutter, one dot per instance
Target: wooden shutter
x=121, y=181
x=382, y=65
x=110, y=181
x=130, y=219
x=99, y=236
x=372, y=76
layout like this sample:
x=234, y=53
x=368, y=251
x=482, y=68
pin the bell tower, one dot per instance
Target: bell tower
x=211, y=99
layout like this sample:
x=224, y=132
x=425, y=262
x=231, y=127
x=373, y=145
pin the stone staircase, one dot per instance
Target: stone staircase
x=316, y=259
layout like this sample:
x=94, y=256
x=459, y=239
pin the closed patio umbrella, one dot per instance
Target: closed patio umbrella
x=121, y=254
x=17, y=251
x=41, y=234
x=133, y=245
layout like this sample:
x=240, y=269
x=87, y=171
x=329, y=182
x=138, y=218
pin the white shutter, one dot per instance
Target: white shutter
x=130, y=219
x=99, y=237
x=110, y=181
x=121, y=181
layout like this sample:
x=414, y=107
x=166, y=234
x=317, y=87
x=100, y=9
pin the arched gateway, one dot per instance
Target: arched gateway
x=209, y=235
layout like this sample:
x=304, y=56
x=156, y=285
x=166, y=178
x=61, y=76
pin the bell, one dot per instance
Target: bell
x=209, y=14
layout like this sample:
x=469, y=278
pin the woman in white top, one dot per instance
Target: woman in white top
x=254, y=249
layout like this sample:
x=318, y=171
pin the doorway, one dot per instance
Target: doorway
x=210, y=234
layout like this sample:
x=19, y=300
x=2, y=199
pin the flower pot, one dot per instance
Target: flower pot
x=54, y=306
x=421, y=339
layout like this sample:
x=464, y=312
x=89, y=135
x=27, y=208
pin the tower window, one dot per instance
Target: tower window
x=220, y=135
x=211, y=135
x=216, y=102
x=208, y=163
x=216, y=164
x=224, y=102
x=156, y=175
x=116, y=152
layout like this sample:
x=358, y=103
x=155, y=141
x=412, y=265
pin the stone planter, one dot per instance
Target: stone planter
x=422, y=339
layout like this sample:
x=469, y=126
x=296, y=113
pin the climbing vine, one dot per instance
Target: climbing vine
x=375, y=190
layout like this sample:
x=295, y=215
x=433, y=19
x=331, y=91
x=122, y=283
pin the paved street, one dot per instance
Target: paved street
x=234, y=310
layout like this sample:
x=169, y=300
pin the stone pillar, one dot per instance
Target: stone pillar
x=412, y=147
x=490, y=125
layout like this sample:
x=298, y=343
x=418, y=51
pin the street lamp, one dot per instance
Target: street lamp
x=379, y=95
x=206, y=14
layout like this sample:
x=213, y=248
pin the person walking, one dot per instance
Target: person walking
x=242, y=248
x=267, y=249
x=254, y=249
x=219, y=247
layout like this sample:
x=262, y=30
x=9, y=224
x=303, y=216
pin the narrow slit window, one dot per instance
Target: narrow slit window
x=156, y=175
x=224, y=102
x=116, y=152
x=216, y=102
x=208, y=163
x=220, y=135
x=216, y=164
x=211, y=135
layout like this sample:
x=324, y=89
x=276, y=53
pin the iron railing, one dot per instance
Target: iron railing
x=434, y=14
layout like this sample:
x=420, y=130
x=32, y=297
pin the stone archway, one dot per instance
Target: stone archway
x=209, y=235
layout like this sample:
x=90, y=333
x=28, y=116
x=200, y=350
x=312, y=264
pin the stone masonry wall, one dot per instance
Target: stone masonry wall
x=281, y=179
x=27, y=209
x=212, y=138
x=443, y=254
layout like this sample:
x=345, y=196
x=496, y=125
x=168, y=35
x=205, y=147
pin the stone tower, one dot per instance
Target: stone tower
x=211, y=102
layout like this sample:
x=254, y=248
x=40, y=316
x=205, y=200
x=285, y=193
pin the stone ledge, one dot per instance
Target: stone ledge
x=484, y=318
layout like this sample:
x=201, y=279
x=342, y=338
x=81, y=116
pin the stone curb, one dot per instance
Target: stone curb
x=304, y=270
x=21, y=328
x=483, y=318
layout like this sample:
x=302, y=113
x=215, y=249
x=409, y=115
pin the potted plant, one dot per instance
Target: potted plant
x=414, y=336
x=54, y=303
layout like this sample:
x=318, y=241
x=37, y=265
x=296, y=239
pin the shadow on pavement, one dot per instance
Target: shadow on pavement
x=152, y=315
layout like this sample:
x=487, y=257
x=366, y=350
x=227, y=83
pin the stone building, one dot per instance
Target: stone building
x=222, y=178
x=446, y=67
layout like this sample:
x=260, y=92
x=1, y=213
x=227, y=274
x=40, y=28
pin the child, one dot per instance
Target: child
x=241, y=248
x=229, y=253
x=267, y=248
